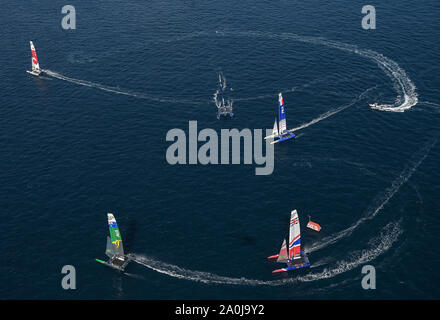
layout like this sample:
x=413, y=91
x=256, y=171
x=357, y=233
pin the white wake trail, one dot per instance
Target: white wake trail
x=331, y=112
x=89, y=84
x=382, y=200
x=378, y=245
x=406, y=90
x=116, y=89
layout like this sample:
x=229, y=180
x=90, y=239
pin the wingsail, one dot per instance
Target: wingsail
x=35, y=64
x=294, y=236
x=115, y=235
x=281, y=114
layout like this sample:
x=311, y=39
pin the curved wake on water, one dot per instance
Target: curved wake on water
x=378, y=245
x=382, y=200
x=406, y=98
x=406, y=90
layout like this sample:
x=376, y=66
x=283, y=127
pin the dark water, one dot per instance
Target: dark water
x=73, y=150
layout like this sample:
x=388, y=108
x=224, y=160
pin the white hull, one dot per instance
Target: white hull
x=34, y=72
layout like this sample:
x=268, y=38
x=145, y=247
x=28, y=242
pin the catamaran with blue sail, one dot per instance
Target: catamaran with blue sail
x=224, y=107
x=292, y=255
x=115, y=249
x=280, y=132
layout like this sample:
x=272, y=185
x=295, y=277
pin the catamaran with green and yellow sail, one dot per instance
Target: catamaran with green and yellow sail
x=115, y=248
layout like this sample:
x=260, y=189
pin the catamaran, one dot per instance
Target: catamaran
x=280, y=132
x=293, y=256
x=36, y=71
x=115, y=249
x=224, y=108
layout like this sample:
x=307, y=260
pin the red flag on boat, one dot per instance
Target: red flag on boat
x=313, y=225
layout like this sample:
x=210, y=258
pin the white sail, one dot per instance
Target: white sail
x=275, y=132
x=275, y=129
x=35, y=63
x=294, y=236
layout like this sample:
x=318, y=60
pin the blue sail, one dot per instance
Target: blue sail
x=281, y=114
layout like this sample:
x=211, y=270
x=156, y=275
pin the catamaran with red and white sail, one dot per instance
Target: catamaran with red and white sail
x=292, y=255
x=36, y=71
x=280, y=132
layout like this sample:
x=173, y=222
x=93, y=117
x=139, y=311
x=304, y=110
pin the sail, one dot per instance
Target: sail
x=222, y=86
x=282, y=256
x=294, y=236
x=109, y=249
x=275, y=129
x=35, y=64
x=115, y=235
x=281, y=114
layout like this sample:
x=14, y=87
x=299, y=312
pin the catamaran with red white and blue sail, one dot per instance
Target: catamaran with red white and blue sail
x=292, y=255
x=280, y=132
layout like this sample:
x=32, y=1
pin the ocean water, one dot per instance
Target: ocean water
x=88, y=138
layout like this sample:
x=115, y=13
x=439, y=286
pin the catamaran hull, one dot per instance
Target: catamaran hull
x=296, y=264
x=111, y=265
x=290, y=268
x=118, y=266
x=34, y=73
x=285, y=137
x=224, y=114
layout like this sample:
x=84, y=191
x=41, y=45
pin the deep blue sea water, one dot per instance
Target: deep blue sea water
x=89, y=138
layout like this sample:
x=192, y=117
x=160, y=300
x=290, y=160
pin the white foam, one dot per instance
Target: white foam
x=331, y=112
x=378, y=246
x=405, y=88
x=116, y=90
x=379, y=202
